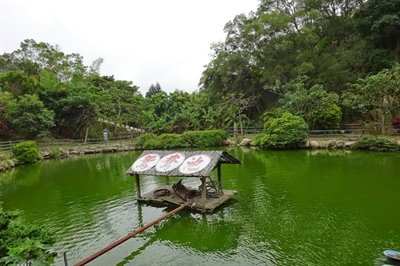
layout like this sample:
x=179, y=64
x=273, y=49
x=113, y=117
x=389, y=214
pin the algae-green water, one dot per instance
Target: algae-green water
x=302, y=207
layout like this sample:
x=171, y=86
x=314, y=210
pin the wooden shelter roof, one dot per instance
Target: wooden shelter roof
x=180, y=163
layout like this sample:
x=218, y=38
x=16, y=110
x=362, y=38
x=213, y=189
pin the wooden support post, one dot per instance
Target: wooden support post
x=203, y=193
x=220, y=178
x=167, y=180
x=138, y=194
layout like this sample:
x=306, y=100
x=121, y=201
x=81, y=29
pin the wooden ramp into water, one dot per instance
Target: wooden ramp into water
x=158, y=196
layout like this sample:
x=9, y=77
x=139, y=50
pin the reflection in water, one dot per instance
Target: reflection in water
x=306, y=207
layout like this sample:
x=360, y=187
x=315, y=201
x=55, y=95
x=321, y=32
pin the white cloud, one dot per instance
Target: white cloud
x=144, y=41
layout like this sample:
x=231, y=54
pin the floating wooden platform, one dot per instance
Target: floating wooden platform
x=194, y=203
x=198, y=164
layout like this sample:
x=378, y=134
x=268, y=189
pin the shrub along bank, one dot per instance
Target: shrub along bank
x=190, y=139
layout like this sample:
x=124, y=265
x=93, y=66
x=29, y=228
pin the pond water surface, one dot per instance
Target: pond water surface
x=292, y=208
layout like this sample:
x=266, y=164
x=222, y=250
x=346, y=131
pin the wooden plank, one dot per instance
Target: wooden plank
x=194, y=204
x=203, y=194
x=219, y=177
x=137, y=179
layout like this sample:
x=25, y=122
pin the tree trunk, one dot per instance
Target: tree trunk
x=86, y=134
x=235, y=131
x=383, y=113
x=241, y=127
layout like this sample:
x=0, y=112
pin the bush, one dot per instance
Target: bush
x=326, y=118
x=26, y=152
x=166, y=141
x=142, y=139
x=373, y=143
x=283, y=132
x=208, y=138
x=21, y=242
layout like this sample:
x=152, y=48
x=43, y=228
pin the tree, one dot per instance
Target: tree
x=94, y=69
x=376, y=97
x=283, y=40
x=32, y=57
x=316, y=106
x=18, y=83
x=235, y=107
x=5, y=125
x=378, y=21
x=78, y=112
x=153, y=90
x=29, y=116
x=120, y=102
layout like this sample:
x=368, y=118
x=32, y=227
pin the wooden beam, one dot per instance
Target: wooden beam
x=122, y=240
x=203, y=194
x=220, y=177
x=138, y=194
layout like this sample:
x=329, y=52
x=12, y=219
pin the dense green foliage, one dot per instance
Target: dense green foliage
x=166, y=141
x=318, y=107
x=328, y=61
x=29, y=115
x=376, y=97
x=284, y=132
x=26, y=152
x=142, y=139
x=208, y=138
x=21, y=242
x=333, y=43
x=375, y=143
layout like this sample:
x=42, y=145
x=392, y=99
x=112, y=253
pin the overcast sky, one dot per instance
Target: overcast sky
x=143, y=41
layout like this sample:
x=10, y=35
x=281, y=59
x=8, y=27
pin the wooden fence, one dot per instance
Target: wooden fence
x=346, y=131
x=6, y=146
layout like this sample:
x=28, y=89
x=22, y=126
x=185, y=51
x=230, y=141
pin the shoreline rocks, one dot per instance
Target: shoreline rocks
x=67, y=152
x=48, y=153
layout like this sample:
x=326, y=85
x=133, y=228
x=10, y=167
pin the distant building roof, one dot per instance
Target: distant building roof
x=180, y=163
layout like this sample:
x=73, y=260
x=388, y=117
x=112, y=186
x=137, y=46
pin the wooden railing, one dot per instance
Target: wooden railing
x=6, y=146
x=346, y=131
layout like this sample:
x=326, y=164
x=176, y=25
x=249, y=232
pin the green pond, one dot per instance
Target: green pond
x=303, y=207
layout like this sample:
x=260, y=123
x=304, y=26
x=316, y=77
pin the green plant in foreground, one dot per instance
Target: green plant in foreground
x=22, y=243
x=30, y=252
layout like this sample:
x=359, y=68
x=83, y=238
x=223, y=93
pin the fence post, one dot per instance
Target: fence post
x=10, y=145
